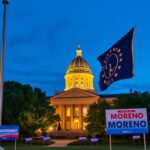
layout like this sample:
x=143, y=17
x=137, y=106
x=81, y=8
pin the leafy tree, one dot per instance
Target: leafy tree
x=96, y=117
x=134, y=100
x=96, y=114
x=27, y=107
x=12, y=103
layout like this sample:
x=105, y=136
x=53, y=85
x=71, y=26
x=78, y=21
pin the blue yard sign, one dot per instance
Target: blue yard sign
x=46, y=138
x=126, y=121
x=9, y=132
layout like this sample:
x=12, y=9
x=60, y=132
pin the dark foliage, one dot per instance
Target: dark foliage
x=27, y=107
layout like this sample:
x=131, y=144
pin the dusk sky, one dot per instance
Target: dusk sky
x=42, y=37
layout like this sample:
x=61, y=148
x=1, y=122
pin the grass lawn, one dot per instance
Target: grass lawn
x=78, y=148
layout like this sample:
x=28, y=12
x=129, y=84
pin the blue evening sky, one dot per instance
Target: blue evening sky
x=42, y=36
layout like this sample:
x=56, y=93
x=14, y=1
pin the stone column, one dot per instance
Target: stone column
x=80, y=118
x=63, y=117
x=71, y=117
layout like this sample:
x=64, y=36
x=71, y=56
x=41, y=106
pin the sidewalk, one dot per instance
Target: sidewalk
x=60, y=143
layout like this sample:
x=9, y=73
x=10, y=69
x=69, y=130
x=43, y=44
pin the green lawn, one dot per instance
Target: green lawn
x=78, y=148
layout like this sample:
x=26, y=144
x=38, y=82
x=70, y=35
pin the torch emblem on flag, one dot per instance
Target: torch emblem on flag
x=112, y=65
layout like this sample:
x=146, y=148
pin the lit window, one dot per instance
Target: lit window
x=76, y=84
x=84, y=111
x=76, y=111
x=82, y=83
x=67, y=111
x=84, y=125
x=67, y=125
x=76, y=124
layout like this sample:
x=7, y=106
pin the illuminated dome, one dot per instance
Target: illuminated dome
x=79, y=74
x=79, y=64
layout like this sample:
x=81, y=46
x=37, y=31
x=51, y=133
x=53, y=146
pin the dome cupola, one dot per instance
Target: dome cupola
x=79, y=64
x=79, y=74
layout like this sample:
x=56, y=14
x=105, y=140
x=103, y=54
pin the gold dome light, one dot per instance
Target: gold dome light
x=79, y=64
x=79, y=74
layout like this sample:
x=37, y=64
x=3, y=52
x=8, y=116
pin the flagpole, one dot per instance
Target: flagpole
x=133, y=51
x=5, y=2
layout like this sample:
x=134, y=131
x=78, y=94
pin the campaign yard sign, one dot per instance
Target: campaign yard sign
x=28, y=140
x=82, y=139
x=46, y=138
x=9, y=132
x=94, y=140
x=126, y=121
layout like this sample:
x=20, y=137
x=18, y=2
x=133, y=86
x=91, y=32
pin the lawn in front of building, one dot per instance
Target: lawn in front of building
x=77, y=148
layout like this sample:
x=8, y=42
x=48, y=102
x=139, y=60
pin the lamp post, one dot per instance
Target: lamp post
x=50, y=129
x=5, y=2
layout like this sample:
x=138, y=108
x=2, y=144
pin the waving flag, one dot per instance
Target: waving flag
x=117, y=62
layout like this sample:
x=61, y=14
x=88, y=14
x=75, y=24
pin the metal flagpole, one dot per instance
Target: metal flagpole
x=5, y=2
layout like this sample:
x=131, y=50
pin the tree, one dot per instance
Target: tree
x=134, y=100
x=27, y=107
x=12, y=103
x=96, y=117
x=96, y=114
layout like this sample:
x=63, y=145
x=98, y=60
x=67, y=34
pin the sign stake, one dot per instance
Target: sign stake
x=144, y=141
x=110, y=145
x=15, y=144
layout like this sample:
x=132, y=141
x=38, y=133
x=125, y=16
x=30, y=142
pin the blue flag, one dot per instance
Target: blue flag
x=117, y=62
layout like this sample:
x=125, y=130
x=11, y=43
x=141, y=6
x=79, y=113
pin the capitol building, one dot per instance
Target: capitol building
x=72, y=104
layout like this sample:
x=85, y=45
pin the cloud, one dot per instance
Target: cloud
x=53, y=31
x=47, y=85
x=120, y=87
x=47, y=81
x=24, y=38
x=141, y=87
x=33, y=72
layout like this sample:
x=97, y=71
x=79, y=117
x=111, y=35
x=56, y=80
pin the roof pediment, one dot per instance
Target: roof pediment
x=74, y=93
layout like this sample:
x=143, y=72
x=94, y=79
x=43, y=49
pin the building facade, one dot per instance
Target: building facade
x=72, y=104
